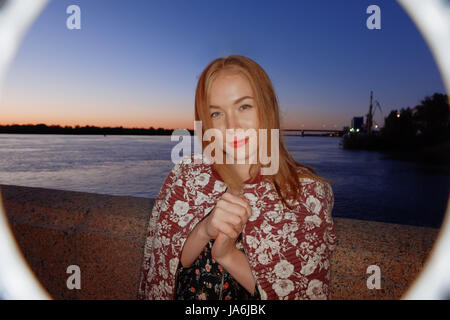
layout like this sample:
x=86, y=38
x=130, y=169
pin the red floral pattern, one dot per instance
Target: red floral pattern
x=288, y=250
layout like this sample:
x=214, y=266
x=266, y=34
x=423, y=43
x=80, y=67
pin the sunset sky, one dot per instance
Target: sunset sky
x=136, y=63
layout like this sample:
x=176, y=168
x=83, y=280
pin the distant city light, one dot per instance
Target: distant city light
x=398, y=115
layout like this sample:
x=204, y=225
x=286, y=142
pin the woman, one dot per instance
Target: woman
x=225, y=230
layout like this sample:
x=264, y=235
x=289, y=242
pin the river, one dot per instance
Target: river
x=366, y=185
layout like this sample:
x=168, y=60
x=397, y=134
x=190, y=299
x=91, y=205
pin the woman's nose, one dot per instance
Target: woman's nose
x=232, y=122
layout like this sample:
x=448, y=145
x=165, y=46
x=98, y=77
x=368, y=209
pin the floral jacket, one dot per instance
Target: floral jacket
x=288, y=250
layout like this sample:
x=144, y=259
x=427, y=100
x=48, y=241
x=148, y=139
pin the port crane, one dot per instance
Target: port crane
x=369, y=115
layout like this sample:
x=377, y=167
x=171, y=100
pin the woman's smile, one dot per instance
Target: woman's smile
x=238, y=143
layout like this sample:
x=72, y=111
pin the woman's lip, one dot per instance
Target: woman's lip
x=239, y=143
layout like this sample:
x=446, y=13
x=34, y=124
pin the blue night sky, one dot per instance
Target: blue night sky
x=136, y=63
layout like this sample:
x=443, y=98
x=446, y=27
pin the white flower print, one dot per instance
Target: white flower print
x=165, y=286
x=200, y=198
x=255, y=214
x=163, y=272
x=310, y=266
x=316, y=290
x=179, y=183
x=219, y=186
x=165, y=241
x=291, y=227
x=263, y=258
x=319, y=190
x=289, y=215
x=251, y=197
x=314, y=204
x=187, y=159
x=283, y=287
x=180, y=207
x=306, y=180
x=173, y=263
x=164, y=203
x=262, y=293
x=176, y=170
x=202, y=179
x=271, y=196
x=321, y=249
x=266, y=227
x=312, y=221
x=274, y=246
x=252, y=242
x=292, y=239
x=184, y=220
x=311, y=237
x=157, y=243
x=275, y=216
x=151, y=266
x=284, y=269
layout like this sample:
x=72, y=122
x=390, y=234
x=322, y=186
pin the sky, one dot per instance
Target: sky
x=136, y=63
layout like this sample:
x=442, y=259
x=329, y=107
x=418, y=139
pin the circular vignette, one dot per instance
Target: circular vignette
x=432, y=19
x=17, y=280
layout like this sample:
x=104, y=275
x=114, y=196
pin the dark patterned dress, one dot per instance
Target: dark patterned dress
x=205, y=279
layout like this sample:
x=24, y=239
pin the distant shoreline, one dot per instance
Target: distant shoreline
x=77, y=130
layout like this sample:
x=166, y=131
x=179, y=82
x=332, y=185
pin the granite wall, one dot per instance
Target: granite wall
x=104, y=236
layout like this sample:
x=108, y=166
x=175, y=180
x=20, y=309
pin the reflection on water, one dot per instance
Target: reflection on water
x=366, y=185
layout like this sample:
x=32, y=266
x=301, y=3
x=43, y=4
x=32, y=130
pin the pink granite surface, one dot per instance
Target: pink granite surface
x=104, y=235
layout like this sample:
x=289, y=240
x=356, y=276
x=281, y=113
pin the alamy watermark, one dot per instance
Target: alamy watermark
x=374, y=20
x=235, y=146
x=74, y=280
x=74, y=20
x=374, y=280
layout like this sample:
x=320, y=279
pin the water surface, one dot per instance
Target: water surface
x=366, y=186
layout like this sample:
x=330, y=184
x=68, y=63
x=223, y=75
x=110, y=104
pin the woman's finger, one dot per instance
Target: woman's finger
x=234, y=209
x=228, y=230
x=225, y=217
x=238, y=200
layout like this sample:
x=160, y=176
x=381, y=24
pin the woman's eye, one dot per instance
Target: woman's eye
x=215, y=114
x=246, y=106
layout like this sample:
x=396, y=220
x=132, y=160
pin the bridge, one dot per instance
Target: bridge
x=313, y=132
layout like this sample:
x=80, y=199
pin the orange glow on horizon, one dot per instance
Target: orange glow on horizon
x=103, y=124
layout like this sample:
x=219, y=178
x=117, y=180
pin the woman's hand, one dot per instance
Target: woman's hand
x=228, y=217
x=223, y=247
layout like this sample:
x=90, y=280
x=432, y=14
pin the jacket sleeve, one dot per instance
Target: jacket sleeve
x=290, y=249
x=318, y=240
x=159, y=209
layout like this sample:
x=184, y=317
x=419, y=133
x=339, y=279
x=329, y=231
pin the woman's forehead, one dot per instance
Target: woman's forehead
x=230, y=87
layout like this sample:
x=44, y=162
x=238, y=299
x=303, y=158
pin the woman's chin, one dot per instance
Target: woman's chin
x=242, y=159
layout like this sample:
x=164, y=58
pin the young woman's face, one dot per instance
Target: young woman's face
x=233, y=106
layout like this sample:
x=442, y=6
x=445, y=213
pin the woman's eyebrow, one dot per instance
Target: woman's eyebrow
x=235, y=102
